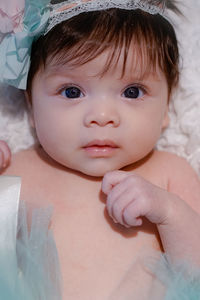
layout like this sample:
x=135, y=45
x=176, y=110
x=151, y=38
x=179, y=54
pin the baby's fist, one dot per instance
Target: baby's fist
x=5, y=155
x=130, y=197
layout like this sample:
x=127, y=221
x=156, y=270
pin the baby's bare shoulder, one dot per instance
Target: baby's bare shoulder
x=22, y=163
x=174, y=165
x=35, y=175
x=182, y=179
x=165, y=157
x=168, y=163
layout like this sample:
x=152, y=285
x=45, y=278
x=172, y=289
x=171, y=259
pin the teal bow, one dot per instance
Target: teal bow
x=15, y=49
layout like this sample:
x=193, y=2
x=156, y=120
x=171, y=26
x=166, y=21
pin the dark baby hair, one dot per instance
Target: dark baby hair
x=84, y=37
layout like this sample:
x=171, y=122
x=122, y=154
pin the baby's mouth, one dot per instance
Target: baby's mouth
x=100, y=148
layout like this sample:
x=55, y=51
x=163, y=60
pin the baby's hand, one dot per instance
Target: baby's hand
x=130, y=197
x=5, y=155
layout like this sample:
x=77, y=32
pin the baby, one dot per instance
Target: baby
x=98, y=89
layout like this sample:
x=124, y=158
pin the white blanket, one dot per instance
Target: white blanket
x=183, y=134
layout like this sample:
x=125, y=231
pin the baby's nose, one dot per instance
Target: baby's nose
x=102, y=117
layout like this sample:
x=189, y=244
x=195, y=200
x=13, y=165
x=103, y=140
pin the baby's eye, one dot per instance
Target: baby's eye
x=133, y=92
x=72, y=92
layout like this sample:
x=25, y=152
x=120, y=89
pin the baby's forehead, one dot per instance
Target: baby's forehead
x=84, y=73
x=134, y=66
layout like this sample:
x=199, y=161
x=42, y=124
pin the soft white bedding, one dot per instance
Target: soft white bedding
x=183, y=135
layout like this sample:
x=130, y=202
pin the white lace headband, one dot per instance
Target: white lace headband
x=63, y=10
x=34, y=18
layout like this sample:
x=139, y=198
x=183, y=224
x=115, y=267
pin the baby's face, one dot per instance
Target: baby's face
x=95, y=124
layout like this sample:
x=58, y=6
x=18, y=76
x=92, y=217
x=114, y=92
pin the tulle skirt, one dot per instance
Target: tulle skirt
x=179, y=281
x=32, y=271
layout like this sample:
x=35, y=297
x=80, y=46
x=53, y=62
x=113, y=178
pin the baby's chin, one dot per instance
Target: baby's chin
x=96, y=174
x=99, y=172
x=93, y=168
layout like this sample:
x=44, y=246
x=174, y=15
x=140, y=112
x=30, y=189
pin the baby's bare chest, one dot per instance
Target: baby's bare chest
x=98, y=256
x=101, y=260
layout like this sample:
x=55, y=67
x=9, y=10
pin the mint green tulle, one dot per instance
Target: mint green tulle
x=181, y=280
x=33, y=273
x=15, y=49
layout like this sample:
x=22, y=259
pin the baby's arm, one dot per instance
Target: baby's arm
x=5, y=155
x=129, y=197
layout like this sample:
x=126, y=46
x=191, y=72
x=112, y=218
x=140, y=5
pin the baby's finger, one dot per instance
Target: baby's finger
x=118, y=192
x=120, y=205
x=111, y=179
x=133, y=212
x=5, y=154
x=1, y=159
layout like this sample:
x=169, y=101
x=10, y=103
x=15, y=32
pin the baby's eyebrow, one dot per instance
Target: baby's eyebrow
x=142, y=77
x=67, y=71
x=58, y=71
x=49, y=75
x=63, y=76
x=125, y=79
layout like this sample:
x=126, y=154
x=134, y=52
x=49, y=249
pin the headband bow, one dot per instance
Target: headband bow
x=19, y=30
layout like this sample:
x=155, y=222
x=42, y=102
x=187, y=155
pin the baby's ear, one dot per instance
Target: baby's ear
x=165, y=121
x=30, y=110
